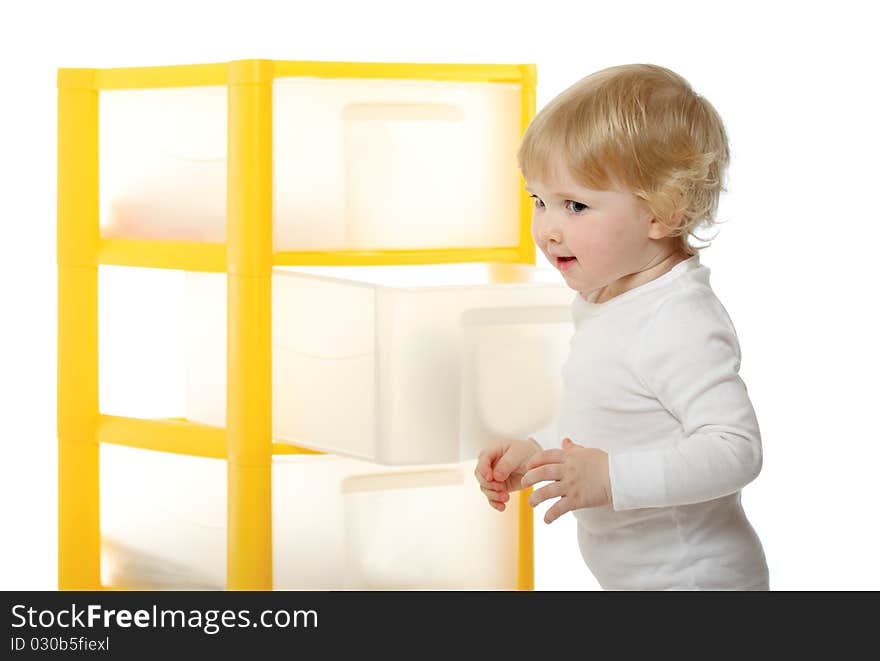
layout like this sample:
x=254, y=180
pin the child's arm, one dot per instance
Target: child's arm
x=689, y=360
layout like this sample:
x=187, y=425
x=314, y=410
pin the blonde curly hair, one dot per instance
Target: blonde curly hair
x=639, y=128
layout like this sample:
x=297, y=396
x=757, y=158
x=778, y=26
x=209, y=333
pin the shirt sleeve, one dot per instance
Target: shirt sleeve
x=689, y=359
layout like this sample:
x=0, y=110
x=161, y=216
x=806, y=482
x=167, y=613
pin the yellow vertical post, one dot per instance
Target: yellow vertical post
x=77, y=245
x=525, y=578
x=526, y=541
x=249, y=325
x=529, y=85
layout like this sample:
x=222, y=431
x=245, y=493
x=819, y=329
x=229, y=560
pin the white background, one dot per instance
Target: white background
x=795, y=265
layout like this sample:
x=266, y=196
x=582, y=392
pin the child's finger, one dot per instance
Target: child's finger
x=552, y=490
x=504, y=467
x=483, y=471
x=498, y=496
x=563, y=505
x=545, y=473
x=545, y=457
x=491, y=498
x=489, y=484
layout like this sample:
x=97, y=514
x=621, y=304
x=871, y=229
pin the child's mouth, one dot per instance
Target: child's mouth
x=562, y=263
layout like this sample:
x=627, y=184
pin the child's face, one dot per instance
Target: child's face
x=606, y=235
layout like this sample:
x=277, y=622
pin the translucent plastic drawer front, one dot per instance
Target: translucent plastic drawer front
x=511, y=372
x=357, y=164
x=173, y=536
x=426, y=529
x=370, y=370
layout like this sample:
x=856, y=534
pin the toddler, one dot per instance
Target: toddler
x=658, y=433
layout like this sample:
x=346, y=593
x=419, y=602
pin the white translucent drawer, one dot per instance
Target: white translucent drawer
x=511, y=372
x=365, y=368
x=164, y=520
x=358, y=164
x=427, y=529
x=174, y=536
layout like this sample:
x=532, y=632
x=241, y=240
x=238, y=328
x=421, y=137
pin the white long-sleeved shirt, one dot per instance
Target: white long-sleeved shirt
x=653, y=379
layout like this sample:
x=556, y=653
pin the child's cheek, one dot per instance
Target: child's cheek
x=592, y=252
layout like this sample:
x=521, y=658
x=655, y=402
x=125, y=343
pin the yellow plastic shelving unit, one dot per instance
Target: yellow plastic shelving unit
x=247, y=257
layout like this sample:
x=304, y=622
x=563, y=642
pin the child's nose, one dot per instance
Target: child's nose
x=548, y=229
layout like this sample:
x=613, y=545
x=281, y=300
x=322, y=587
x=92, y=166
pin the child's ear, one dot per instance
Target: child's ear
x=657, y=229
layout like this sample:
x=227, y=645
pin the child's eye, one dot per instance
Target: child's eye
x=576, y=207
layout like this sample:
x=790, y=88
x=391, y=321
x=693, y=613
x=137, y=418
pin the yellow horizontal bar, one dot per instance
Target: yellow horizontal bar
x=279, y=447
x=182, y=75
x=176, y=435
x=186, y=255
x=512, y=73
x=194, y=75
x=398, y=257
x=166, y=435
x=211, y=257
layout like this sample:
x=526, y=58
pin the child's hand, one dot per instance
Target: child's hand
x=579, y=478
x=500, y=469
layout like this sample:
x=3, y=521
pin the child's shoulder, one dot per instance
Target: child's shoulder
x=688, y=301
x=688, y=329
